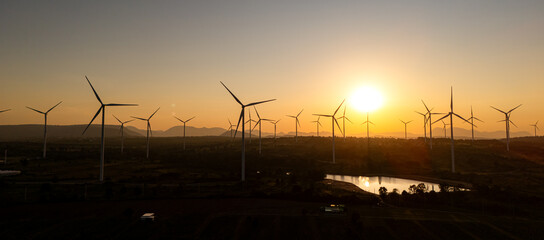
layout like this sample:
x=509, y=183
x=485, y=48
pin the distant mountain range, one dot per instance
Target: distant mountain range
x=35, y=131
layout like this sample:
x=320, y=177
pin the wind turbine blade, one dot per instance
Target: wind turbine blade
x=255, y=103
x=139, y=118
x=98, y=112
x=277, y=121
x=445, y=116
x=129, y=121
x=53, y=107
x=298, y=122
x=425, y=106
x=319, y=124
x=420, y=113
x=5, y=110
x=338, y=125
x=190, y=119
x=291, y=116
x=256, y=125
x=409, y=121
x=475, y=118
x=322, y=115
x=300, y=112
x=348, y=120
x=512, y=123
x=514, y=108
x=154, y=113
x=229, y=122
x=119, y=104
x=239, y=119
x=117, y=119
x=259, y=116
x=339, y=107
x=178, y=119
x=235, y=98
x=96, y=94
x=457, y=115
x=498, y=109
x=150, y=131
x=35, y=110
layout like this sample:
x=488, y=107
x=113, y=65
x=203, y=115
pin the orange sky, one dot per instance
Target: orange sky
x=308, y=54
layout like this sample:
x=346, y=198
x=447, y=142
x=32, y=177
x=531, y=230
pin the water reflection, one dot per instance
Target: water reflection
x=373, y=184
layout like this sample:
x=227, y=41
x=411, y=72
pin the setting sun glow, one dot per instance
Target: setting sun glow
x=366, y=99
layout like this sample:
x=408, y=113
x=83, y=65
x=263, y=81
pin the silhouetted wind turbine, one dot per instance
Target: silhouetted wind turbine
x=507, y=121
x=424, y=125
x=5, y=110
x=471, y=119
x=184, y=123
x=344, y=118
x=230, y=127
x=317, y=123
x=44, y=126
x=535, y=126
x=275, y=123
x=149, y=132
x=103, y=110
x=297, y=123
x=260, y=124
x=333, y=120
x=451, y=114
x=405, y=128
x=250, y=121
x=430, y=113
x=367, y=122
x=242, y=118
x=122, y=131
x=444, y=127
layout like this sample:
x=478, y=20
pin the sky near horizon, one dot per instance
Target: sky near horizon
x=307, y=54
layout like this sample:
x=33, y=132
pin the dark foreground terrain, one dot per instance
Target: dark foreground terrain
x=196, y=194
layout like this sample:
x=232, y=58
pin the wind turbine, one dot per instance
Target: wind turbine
x=451, y=114
x=535, y=126
x=5, y=110
x=471, y=119
x=405, y=128
x=275, y=123
x=242, y=118
x=148, y=130
x=184, y=123
x=317, y=123
x=230, y=127
x=333, y=120
x=444, y=127
x=344, y=118
x=103, y=110
x=424, y=125
x=260, y=124
x=122, y=131
x=297, y=123
x=507, y=121
x=44, y=126
x=430, y=121
x=367, y=122
x=250, y=121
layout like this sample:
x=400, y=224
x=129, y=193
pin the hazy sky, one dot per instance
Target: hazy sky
x=307, y=54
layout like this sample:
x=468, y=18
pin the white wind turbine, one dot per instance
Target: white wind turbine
x=103, y=110
x=405, y=128
x=242, y=119
x=44, y=126
x=297, y=123
x=149, y=132
x=122, y=131
x=184, y=123
x=507, y=121
x=333, y=120
x=451, y=114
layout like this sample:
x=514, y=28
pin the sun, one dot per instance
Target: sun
x=366, y=99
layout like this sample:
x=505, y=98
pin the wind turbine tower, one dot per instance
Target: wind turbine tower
x=122, y=131
x=535, y=126
x=317, y=123
x=405, y=128
x=471, y=119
